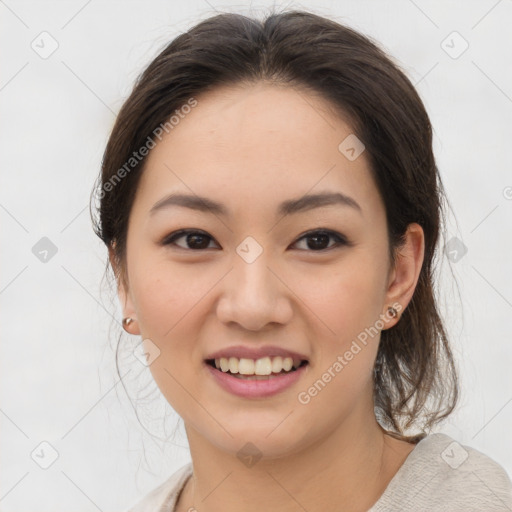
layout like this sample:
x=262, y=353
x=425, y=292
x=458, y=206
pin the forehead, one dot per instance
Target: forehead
x=253, y=143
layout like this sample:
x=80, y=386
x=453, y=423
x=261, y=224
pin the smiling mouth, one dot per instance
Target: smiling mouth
x=253, y=376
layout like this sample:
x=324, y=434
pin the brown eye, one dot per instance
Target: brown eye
x=316, y=241
x=194, y=240
x=319, y=240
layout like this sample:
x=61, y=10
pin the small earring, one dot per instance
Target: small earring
x=392, y=311
x=126, y=322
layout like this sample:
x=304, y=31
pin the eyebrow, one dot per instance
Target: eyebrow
x=288, y=207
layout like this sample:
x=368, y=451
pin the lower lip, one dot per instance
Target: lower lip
x=256, y=388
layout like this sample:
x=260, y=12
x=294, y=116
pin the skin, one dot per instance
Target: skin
x=250, y=148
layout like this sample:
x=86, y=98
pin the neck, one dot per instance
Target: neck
x=350, y=468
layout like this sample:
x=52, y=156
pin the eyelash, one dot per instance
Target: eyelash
x=340, y=239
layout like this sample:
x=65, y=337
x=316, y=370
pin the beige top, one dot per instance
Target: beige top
x=438, y=475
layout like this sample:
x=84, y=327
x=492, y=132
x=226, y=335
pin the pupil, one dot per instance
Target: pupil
x=315, y=245
x=191, y=238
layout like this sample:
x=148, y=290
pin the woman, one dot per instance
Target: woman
x=271, y=206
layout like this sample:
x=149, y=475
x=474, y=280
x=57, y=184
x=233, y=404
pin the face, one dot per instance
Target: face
x=309, y=280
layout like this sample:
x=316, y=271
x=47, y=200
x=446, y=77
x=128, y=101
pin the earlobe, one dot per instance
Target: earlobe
x=129, y=321
x=405, y=274
x=130, y=324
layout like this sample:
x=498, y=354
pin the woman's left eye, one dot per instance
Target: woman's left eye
x=321, y=237
x=316, y=241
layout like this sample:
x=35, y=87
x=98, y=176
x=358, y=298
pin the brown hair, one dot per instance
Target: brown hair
x=414, y=363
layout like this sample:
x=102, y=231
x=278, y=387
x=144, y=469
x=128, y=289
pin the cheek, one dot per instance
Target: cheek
x=168, y=307
x=344, y=307
x=344, y=303
x=164, y=295
x=172, y=302
x=345, y=298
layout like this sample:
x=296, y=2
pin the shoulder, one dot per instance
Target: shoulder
x=441, y=474
x=163, y=497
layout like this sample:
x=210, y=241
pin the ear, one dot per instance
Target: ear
x=404, y=275
x=123, y=293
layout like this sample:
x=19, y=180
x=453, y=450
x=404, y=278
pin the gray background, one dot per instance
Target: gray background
x=58, y=377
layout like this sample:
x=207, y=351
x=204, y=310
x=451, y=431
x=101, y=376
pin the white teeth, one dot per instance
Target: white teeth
x=287, y=364
x=246, y=366
x=277, y=364
x=233, y=365
x=262, y=366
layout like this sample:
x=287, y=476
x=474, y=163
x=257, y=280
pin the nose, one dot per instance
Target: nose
x=254, y=295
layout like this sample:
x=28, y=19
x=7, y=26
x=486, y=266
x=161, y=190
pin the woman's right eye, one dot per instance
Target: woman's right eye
x=194, y=240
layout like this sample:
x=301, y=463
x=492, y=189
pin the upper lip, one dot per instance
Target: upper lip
x=240, y=351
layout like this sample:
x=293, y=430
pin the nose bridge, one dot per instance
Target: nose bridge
x=251, y=266
x=253, y=295
x=254, y=284
x=253, y=278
